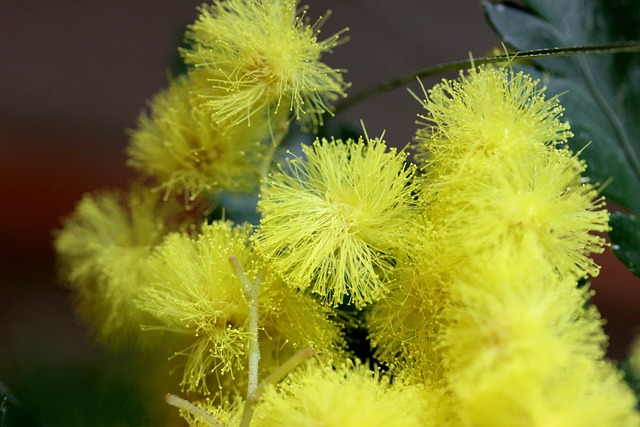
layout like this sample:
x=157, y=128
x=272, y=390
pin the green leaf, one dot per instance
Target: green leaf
x=632, y=380
x=625, y=234
x=601, y=93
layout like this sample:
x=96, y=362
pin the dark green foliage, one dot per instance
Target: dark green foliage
x=625, y=234
x=601, y=93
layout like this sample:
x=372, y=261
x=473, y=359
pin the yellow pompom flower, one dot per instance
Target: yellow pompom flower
x=188, y=153
x=262, y=56
x=103, y=249
x=497, y=176
x=485, y=113
x=537, y=197
x=405, y=326
x=195, y=292
x=339, y=220
x=582, y=392
x=347, y=396
x=524, y=348
x=516, y=311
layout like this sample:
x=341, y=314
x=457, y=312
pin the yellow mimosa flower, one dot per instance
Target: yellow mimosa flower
x=103, y=250
x=188, y=153
x=338, y=220
x=195, y=292
x=261, y=55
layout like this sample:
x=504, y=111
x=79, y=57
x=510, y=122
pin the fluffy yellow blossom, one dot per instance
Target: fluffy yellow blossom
x=195, y=292
x=347, y=396
x=513, y=312
x=404, y=327
x=261, y=56
x=103, y=249
x=537, y=198
x=488, y=112
x=187, y=153
x=582, y=392
x=338, y=221
x=498, y=178
x=524, y=348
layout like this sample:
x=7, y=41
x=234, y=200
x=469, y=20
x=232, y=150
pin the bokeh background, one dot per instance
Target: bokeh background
x=75, y=74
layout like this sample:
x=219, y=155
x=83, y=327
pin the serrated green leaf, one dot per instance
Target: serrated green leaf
x=625, y=234
x=601, y=93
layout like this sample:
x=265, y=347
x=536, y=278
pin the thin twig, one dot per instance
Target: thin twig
x=252, y=290
x=194, y=410
x=609, y=48
x=276, y=376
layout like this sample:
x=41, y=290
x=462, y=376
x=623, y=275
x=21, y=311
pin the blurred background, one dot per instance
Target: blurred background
x=75, y=75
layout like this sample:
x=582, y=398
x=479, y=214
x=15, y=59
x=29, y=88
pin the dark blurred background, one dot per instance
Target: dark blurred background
x=75, y=74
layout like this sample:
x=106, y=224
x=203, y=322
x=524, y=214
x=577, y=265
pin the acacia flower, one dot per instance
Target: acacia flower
x=404, y=327
x=188, y=153
x=194, y=291
x=582, y=392
x=534, y=197
x=516, y=309
x=338, y=220
x=485, y=113
x=349, y=395
x=523, y=347
x=261, y=56
x=103, y=249
x=498, y=174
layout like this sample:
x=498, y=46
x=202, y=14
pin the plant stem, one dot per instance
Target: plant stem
x=189, y=407
x=621, y=47
x=254, y=345
x=276, y=376
x=252, y=290
x=277, y=138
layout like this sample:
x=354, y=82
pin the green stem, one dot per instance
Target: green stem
x=608, y=48
x=194, y=410
x=276, y=139
x=252, y=289
x=276, y=376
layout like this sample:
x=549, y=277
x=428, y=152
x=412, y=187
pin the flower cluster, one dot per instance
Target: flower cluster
x=462, y=267
x=194, y=290
x=512, y=221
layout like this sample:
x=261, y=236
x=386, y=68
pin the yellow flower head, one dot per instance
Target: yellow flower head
x=524, y=348
x=347, y=396
x=103, y=249
x=188, y=153
x=582, y=392
x=487, y=112
x=339, y=220
x=260, y=55
x=194, y=291
x=537, y=198
x=516, y=312
x=404, y=326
